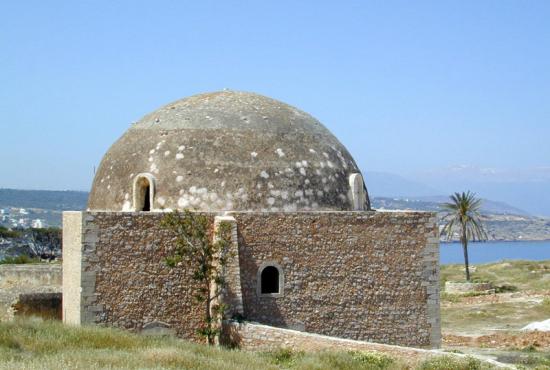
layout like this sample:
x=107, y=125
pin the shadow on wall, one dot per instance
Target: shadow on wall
x=43, y=305
x=263, y=289
x=230, y=336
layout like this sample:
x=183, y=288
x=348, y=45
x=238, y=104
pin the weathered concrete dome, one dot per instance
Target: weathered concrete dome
x=228, y=151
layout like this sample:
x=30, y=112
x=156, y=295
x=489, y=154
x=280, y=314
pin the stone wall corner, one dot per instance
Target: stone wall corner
x=431, y=276
x=79, y=239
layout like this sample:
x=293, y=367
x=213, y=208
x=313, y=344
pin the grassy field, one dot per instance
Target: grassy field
x=51, y=345
x=481, y=325
x=523, y=275
x=524, y=297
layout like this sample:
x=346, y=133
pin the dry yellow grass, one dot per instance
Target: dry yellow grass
x=33, y=344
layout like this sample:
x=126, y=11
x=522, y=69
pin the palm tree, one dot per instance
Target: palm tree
x=463, y=213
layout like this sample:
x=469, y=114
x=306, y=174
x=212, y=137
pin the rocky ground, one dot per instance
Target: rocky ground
x=491, y=324
x=512, y=311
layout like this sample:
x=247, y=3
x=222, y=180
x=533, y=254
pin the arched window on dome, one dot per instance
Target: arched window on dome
x=144, y=191
x=270, y=280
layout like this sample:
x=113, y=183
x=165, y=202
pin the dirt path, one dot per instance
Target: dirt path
x=539, y=340
x=495, y=331
x=516, y=297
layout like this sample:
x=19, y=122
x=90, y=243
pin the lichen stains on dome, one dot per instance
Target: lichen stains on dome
x=226, y=151
x=230, y=110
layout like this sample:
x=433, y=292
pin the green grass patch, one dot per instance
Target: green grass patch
x=19, y=260
x=446, y=297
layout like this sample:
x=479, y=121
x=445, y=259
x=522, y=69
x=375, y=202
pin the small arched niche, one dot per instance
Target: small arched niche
x=144, y=191
x=270, y=280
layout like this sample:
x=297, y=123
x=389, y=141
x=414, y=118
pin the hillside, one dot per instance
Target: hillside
x=526, y=188
x=432, y=203
x=38, y=208
x=504, y=222
x=43, y=199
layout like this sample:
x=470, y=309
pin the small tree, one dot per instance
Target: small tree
x=44, y=242
x=463, y=213
x=6, y=233
x=208, y=258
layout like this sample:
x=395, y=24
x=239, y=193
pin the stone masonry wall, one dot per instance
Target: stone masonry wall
x=360, y=275
x=132, y=286
x=30, y=275
x=18, y=280
x=257, y=337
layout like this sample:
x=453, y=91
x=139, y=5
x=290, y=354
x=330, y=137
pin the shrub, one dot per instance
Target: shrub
x=285, y=357
x=506, y=288
x=529, y=348
x=19, y=260
x=8, y=234
x=453, y=363
x=476, y=294
x=453, y=298
x=375, y=360
x=453, y=351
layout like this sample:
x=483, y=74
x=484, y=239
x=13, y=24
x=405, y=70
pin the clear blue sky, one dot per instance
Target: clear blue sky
x=406, y=86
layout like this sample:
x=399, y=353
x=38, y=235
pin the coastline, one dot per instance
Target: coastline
x=494, y=241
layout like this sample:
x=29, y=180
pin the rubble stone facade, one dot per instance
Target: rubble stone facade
x=369, y=276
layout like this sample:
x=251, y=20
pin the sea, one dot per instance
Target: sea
x=486, y=252
x=495, y=251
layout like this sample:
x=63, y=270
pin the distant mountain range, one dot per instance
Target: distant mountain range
x=433, y=203
x=527, y=190
x=384, y=184
x=502, y=222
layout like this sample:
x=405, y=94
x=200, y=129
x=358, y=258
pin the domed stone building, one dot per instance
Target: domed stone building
x=228, y=151
x=310, y=253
